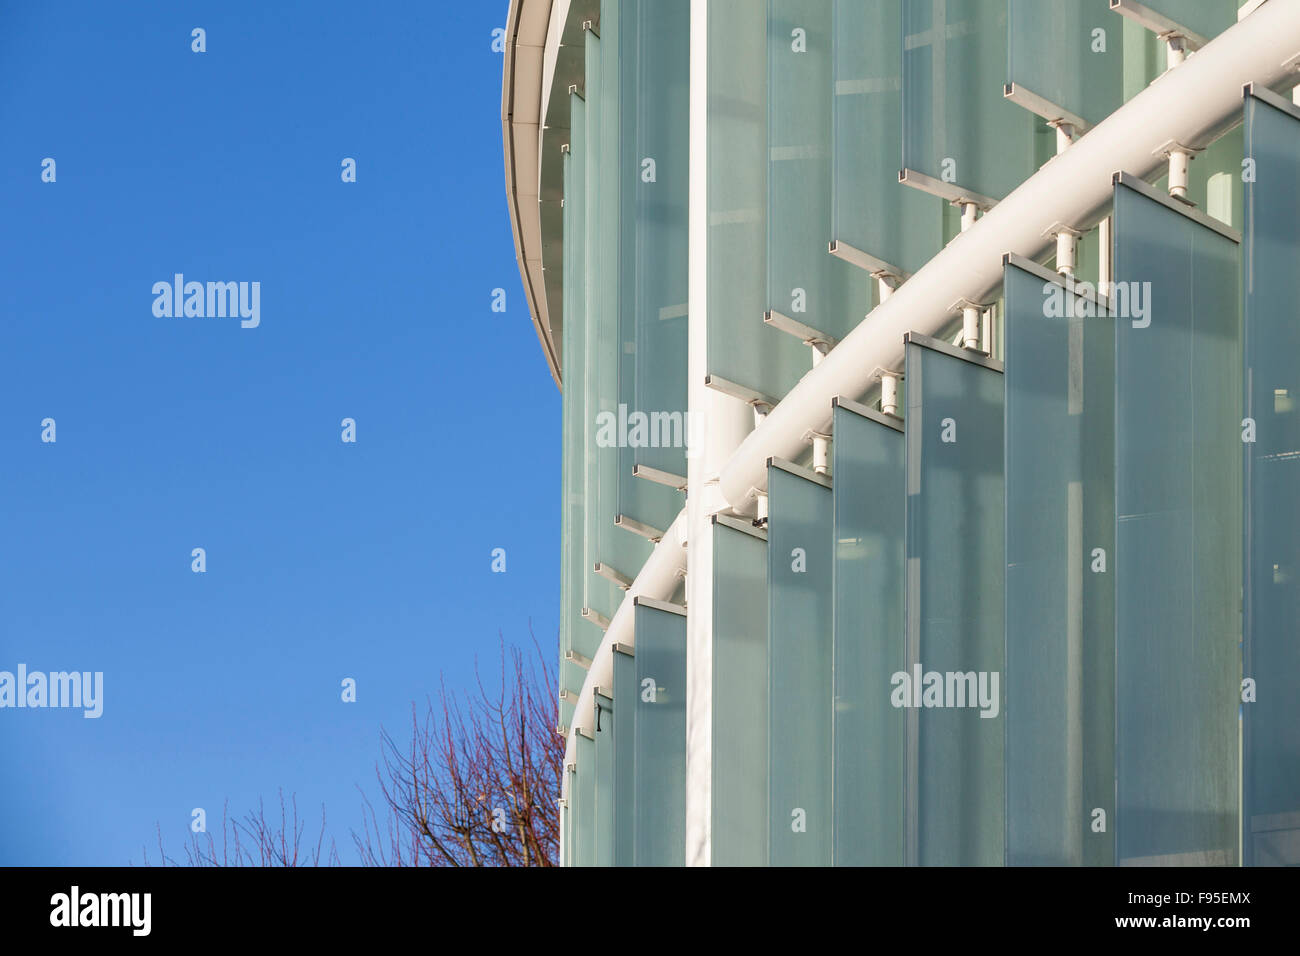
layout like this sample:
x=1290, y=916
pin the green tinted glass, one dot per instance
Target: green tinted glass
x=625, y=692
x=869, y=638
x=1065, y=58
x=575, y=634
x=963, y=138
x=583, y=816
x=660, y=762
x=804, y=282
x=799, y=582
x=956, y=563
x=654, y=87
x=1178, y=544
x=614, y=546
x=1272, y=591
x=1060, y=525
x=604, y=772
x=897, y=228
x=740, y=348
x=739, y=827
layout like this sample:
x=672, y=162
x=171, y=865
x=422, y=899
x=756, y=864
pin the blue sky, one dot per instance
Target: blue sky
x=325, y=560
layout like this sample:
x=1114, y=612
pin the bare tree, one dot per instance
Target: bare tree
x=477, y=785
x=478, y=782
x=255, y=841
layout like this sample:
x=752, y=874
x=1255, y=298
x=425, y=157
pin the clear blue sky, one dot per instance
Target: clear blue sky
x=324, y=560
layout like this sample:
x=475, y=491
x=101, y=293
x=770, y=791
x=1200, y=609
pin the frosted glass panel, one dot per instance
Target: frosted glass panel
x=604, y=789
x=804, y=281
x=872, y=212
x=582, y=817
x=566, y=818
x=598, y=592
x=578, y=440
x=660, y=763
x=869, y=638
x=956, y=564
x=1178, y=548
x=739, y=697
x=958, y=130
x=799, y=578
x=741, y=348
x=625, y=692
x=654, y=178
x=614, y=546
x=1056, y=59
x=1272, y=607
x=1060, y=521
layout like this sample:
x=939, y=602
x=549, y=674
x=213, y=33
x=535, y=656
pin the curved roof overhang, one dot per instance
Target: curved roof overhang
x=544, y=61
x=522, y=120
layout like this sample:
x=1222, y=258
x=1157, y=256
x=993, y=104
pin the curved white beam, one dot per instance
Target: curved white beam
x=1190, y=105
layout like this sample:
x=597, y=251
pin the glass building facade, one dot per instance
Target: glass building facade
x=931, y=473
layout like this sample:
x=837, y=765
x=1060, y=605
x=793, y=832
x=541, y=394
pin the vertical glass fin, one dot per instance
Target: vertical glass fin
x=961, y=138
x=660, y=729
x=805, y=282
x=799, y=582
x=739, y=827
x=1060, y=521
x=897, y=228
x=1272, y=484
x=1178, y=547
x=625, y=692
x=956, y=564
x=1065, y=58
x=869, y=637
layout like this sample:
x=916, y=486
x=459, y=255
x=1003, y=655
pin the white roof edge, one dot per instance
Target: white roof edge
x=521, y=120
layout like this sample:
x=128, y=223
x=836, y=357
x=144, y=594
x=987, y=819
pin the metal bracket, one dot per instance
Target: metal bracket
x=1042, y=106
x=962, y=304
x=1157, y=23
x=638, y=527
x=659, y=476
x=864, y=260
x=1179, y=156
x=747, y=395
x=609, y=574
x=805, y=333
x=642, y=601
x=1067, y=239
x=573, y=657
x=955, y=194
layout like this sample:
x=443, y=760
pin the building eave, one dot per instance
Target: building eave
x=522, y=84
